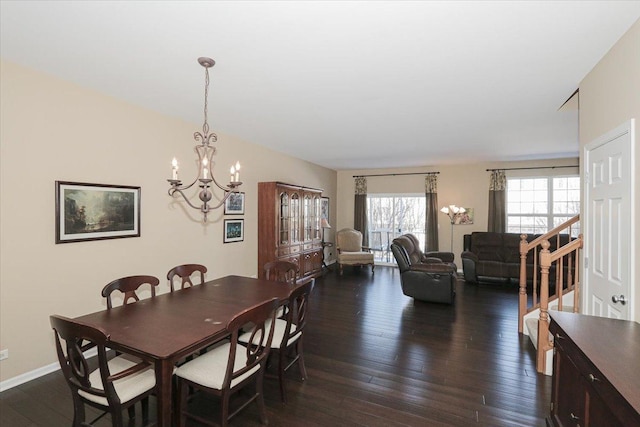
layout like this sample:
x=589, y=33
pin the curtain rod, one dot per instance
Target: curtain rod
x=539, y=167
x=398, y=174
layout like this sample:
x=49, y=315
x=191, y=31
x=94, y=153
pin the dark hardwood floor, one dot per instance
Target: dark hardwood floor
x=374, y=358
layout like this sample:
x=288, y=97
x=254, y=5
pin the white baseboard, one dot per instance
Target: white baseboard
x=36, y=373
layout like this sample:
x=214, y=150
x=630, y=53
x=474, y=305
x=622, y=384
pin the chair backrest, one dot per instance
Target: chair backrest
x=128, y=286
x=281, y=271
x=349, y=240
x=401, y=256
x=184, y=272
x=411, y=244
x=72, y=340
x=260, y=337
x=297, y=314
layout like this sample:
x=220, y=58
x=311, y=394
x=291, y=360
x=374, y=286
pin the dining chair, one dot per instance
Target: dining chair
x=117, y=384
x=288, y=333
x=230, y=367
x=184, y=272
x=128, y=286
x=281, y=271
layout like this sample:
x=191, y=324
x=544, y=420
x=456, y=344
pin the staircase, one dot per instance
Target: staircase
x=533, y=307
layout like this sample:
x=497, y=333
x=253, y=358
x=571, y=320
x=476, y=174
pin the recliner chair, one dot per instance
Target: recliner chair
x=427, y=277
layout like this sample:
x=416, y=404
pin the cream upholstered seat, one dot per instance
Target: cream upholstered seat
x=350, y=249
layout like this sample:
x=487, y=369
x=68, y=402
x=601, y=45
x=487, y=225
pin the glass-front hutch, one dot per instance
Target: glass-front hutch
x=289, y=226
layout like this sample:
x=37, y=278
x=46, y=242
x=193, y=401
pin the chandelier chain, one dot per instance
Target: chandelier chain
x=205, y=126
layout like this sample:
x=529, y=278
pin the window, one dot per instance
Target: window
x=536, y=205
x=391, y=216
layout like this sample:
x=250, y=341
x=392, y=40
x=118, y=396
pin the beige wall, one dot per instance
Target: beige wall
x=610, y=96
x=53, y=130
x=464, y=185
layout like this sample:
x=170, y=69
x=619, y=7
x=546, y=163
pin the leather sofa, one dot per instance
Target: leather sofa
x=426, y=277
x=495, y=258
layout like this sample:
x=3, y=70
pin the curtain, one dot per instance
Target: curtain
x=497, y=202
x=360, y=221
x=431, y=214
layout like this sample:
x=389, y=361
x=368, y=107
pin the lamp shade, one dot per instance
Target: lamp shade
x=324, y=223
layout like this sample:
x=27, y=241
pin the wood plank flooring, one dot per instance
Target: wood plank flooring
x=374, y=358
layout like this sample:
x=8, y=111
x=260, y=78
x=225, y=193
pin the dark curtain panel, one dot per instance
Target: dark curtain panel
x=360, y=221
x=497, y=202
x=431, y=214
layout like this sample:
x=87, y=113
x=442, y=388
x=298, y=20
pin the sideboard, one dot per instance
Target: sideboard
x=596, y=371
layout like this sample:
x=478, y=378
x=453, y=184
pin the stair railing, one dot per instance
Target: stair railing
x=535, y=246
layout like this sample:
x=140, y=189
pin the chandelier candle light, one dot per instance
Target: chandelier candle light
x=206, y=152
x=453, y=212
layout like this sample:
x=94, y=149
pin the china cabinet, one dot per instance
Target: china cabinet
x=289, y=226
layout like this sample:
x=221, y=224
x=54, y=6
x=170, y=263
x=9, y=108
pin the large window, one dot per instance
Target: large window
x=536, y=205
x=391, y=216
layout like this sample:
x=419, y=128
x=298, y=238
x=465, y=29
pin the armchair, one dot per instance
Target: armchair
x=350, y=250
x=426, y=277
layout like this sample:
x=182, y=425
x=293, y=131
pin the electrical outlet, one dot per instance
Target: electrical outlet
x=4, y=354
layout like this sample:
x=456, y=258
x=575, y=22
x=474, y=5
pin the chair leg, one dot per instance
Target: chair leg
x=373, y=266
x=224, y=411
x=301, y=365
x=262, y=411
x=281, y=365
x=181, y=402
x=340, y=268
x=131, y=410
x=78, y=412
x=145, y=410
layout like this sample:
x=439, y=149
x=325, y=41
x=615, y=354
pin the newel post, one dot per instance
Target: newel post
x=543, y=322
x=522, y=297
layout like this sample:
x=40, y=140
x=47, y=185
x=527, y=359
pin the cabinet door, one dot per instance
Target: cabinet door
x=284, y=218
x=568, y=390
x=598, y=413
x=307, y=217
x=295, y=215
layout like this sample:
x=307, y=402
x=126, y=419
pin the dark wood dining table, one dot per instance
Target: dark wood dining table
x=167, y=328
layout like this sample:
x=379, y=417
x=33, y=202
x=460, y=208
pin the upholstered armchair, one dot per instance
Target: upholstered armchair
x=426, y=277
x=350, y=250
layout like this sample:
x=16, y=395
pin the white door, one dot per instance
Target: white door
x=608, y=224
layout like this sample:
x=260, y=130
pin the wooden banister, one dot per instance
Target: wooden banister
x=566, y=259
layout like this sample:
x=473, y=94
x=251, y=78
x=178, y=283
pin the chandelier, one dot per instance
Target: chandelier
x=206, y=152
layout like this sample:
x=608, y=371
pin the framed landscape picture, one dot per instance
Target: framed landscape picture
x=234, y=205
x=96, y=211
x=233, y=230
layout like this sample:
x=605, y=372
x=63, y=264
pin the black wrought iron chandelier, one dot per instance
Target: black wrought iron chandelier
x=206, y=152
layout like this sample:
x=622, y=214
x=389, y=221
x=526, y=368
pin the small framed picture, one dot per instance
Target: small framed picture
x=324, y=208
x=233, y=230
x=234, y=205
x=96, y=211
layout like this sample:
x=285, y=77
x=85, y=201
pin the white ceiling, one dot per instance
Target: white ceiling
x=347, y=85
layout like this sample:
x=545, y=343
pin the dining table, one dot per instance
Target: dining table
x=167, y=328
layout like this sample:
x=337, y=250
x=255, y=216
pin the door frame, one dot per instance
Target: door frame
x=627, y=127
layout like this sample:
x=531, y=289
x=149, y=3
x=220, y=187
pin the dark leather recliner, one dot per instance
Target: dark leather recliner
x=426, y=277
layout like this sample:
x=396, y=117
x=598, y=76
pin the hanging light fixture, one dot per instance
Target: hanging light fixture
x=206, y=152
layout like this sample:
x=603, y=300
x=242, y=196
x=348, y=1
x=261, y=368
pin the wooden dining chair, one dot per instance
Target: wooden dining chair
x=288, y=333
x=184, y=272
x=128, y=286
x=230, y=367
x=281, y=271
x=116, y=384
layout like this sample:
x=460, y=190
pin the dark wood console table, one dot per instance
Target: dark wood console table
x=596, y=371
